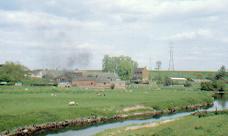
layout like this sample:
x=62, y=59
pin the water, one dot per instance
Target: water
x=219, y=104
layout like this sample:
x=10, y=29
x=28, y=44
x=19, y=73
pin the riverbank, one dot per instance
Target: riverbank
x=32, y=106
x=86, y=122
x=200, y=123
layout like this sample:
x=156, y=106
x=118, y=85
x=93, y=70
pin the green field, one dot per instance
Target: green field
x=210, y=125
x=184, y=74
x=21, y=106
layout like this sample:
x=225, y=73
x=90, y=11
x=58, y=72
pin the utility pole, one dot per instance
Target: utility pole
x=150, y=64
x=171, y=59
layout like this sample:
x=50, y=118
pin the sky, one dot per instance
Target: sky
x=70, y=34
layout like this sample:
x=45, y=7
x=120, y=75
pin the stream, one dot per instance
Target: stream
x=219, y=104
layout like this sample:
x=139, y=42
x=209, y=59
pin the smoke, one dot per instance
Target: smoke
x=66, y=58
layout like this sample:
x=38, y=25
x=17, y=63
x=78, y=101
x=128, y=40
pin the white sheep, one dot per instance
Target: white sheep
x=72, y=103
x=53, y=94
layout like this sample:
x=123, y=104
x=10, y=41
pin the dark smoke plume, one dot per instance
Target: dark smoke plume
x=66, y=58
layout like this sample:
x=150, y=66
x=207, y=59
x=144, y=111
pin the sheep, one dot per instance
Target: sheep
x=53, y=94
x=71, y=103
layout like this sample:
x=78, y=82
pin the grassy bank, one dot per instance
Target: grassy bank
x=209, y=125
x=21, y=106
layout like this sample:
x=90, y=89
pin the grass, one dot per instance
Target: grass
x=185, y=74
x=21, y=106
x=210, y=125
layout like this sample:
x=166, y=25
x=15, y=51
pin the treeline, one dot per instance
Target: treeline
x=124, y=66
x=12, y=72
x=15, y=73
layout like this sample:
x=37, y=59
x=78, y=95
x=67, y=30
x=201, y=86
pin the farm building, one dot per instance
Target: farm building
x=141, y=76
x=98, y=80
x=39, y=73
x=177, y=80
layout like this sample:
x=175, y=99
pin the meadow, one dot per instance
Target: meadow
x=209, y=125
x=185, y=74
x=23, y=106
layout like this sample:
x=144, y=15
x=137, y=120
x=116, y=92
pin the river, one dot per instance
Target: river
x=219, y=104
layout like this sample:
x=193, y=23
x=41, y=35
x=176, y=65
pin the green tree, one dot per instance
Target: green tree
x=220, y=75
x=123, y=65
x=12, y=72
x=218, y=83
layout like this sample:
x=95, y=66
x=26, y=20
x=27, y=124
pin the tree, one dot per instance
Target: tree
x=221, y=73
x=12, y=72
x=123, y=65
x=218, y=83
x=158, y=65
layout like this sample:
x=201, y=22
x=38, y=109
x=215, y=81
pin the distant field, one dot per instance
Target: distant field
x=186, y=74
x=211, y=125
x=21, y=106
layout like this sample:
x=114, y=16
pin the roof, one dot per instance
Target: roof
x=98, y=77
x=177, y=78
x=140, y=69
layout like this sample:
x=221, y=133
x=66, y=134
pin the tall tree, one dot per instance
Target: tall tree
x=122, y=65
x=221, y=73
x=158, y=65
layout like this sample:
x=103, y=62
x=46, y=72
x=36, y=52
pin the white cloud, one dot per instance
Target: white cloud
x=140, y=29
x=42, y=19
x=201, y=33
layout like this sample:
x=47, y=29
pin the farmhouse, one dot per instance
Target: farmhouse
x=98, y=80
x=141, y=76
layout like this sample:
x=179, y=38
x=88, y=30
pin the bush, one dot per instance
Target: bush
x=219, y=85
x=158, y=79
x=189, y=79
x=216, y=85
x=167, y=82
x=187, y=84
x=207, y=86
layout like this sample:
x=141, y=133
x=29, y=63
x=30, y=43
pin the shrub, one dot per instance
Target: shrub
x=219, y=85
x=207, y=86
x=187, y=84
x=167, y=82
x=216, y=85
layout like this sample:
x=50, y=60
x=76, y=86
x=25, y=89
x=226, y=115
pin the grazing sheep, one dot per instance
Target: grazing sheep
x=98, y=94
x=72, y=103
x=53, y=94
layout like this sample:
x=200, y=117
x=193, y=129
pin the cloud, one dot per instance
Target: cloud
x=45, y=32
x=191, y=35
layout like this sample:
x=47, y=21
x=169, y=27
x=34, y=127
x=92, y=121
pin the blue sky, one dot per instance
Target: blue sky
x=77, y=33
